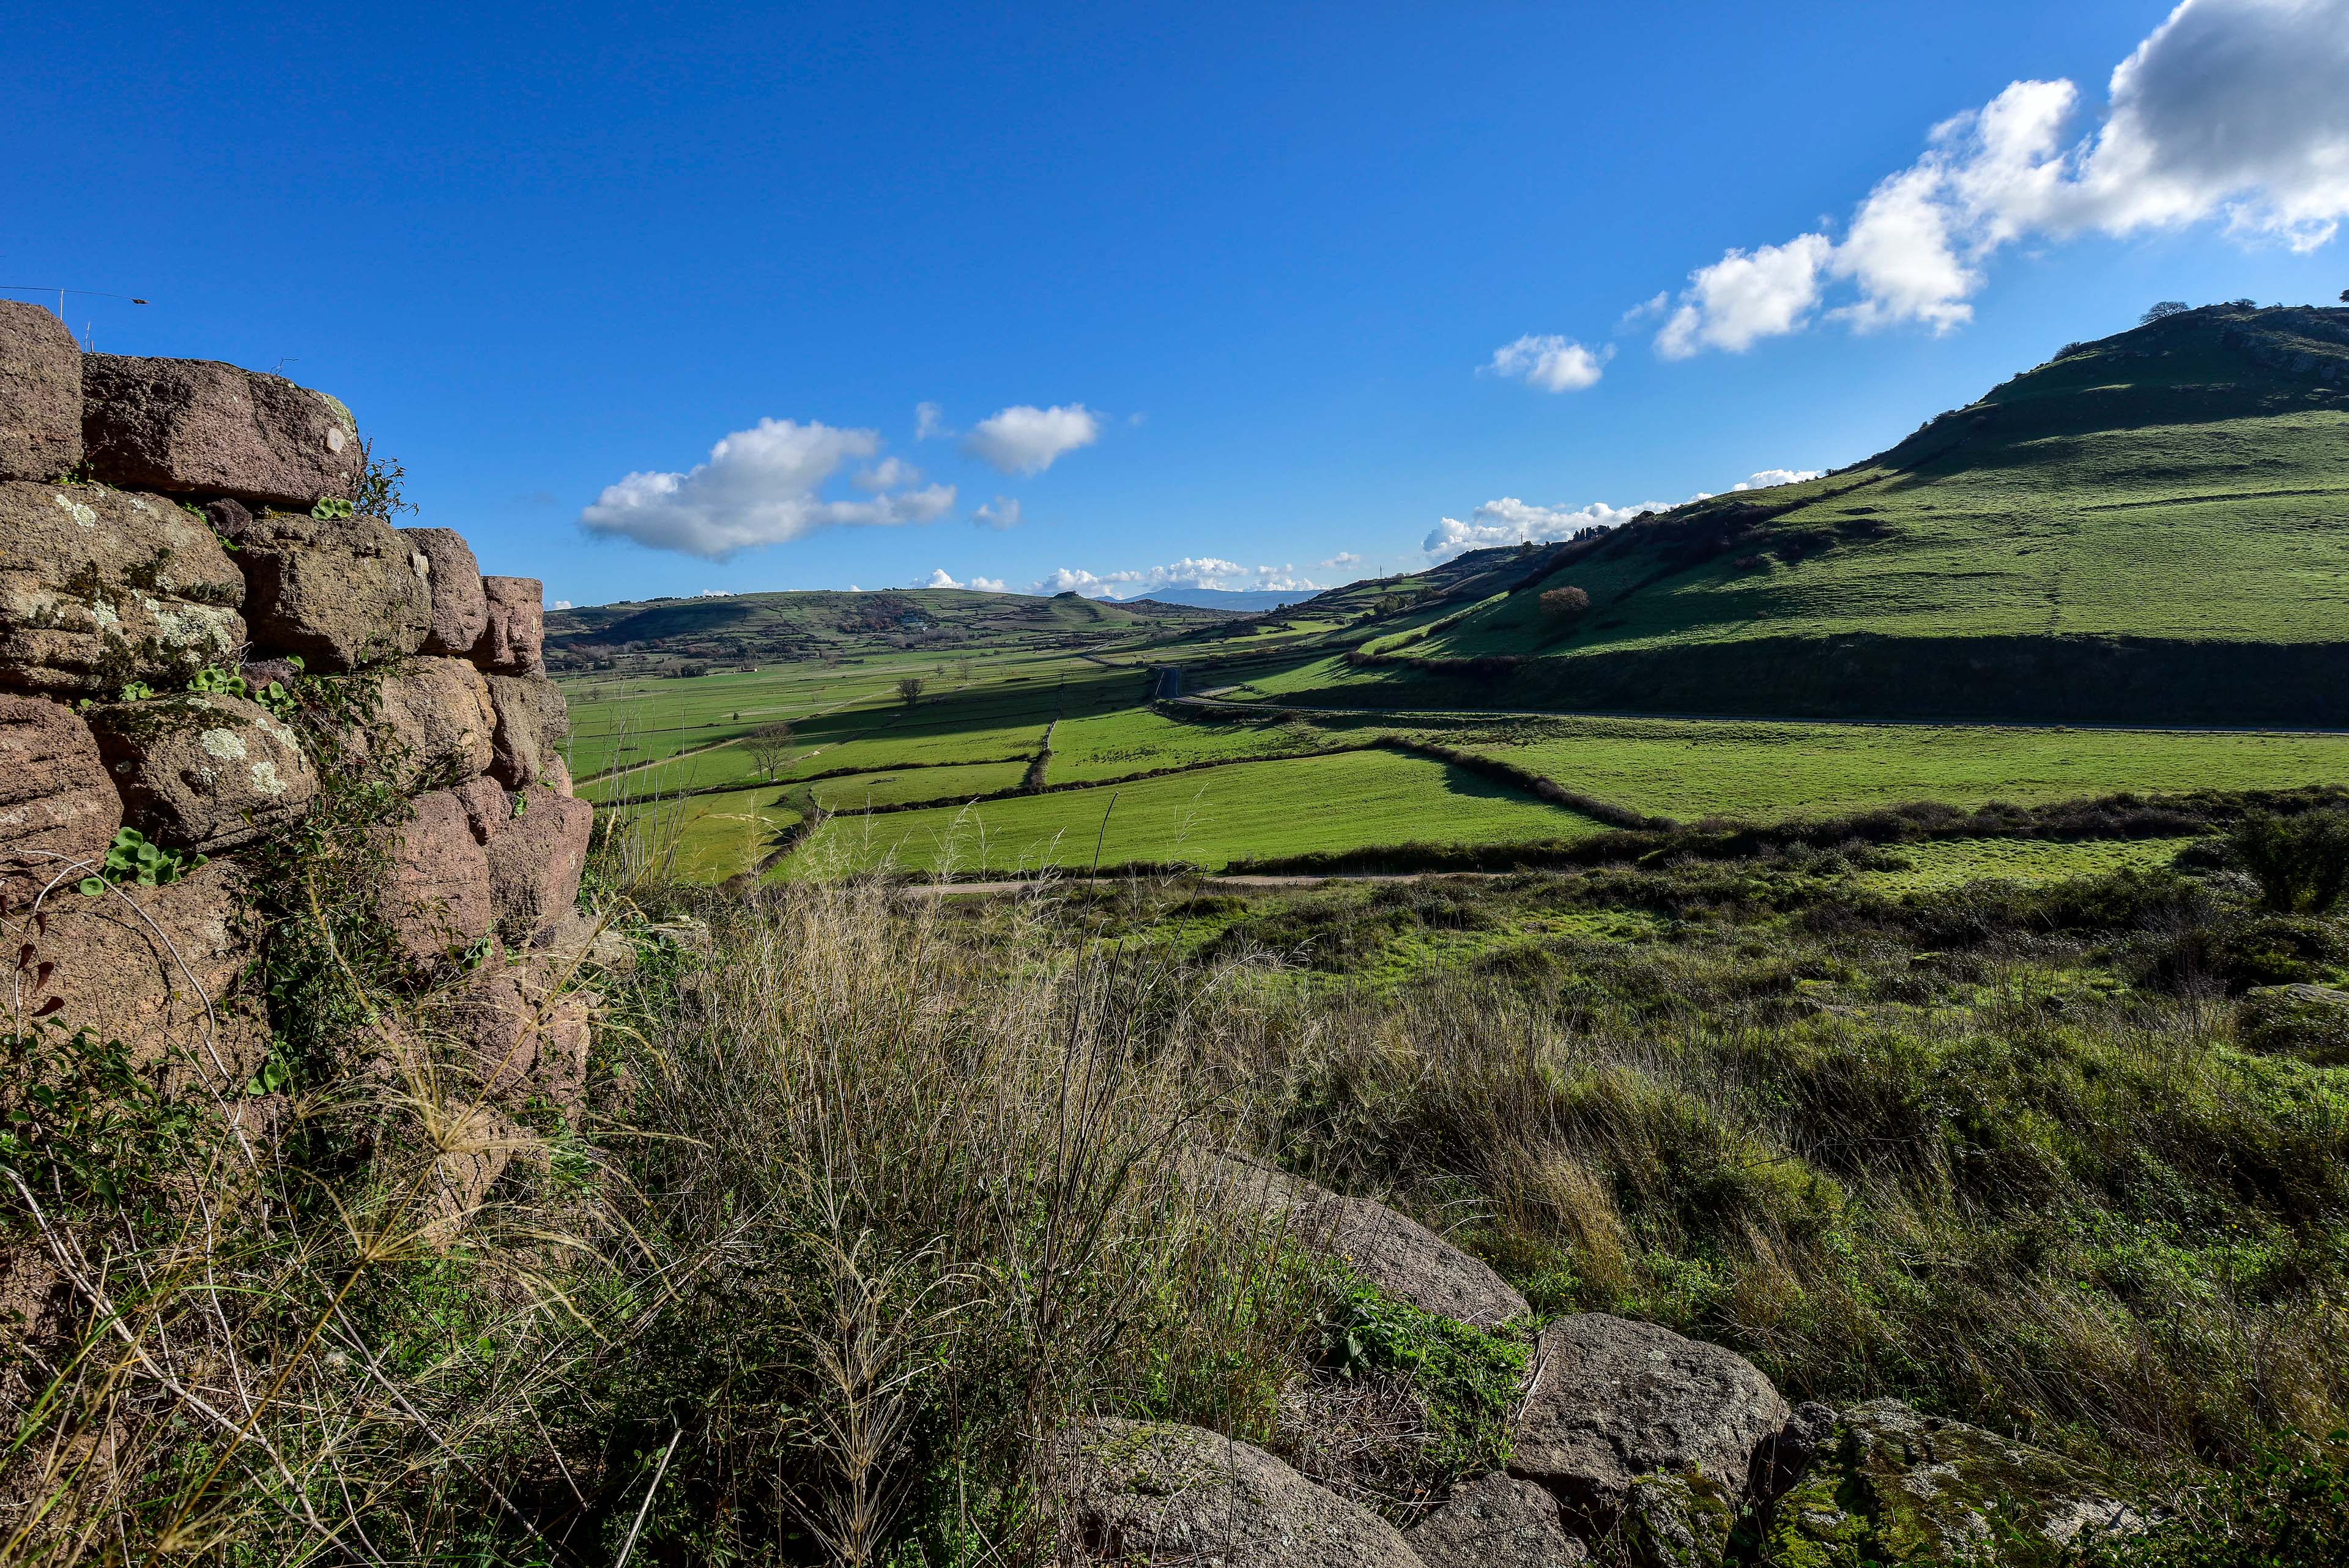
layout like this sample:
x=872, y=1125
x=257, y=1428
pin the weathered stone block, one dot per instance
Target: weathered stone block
x=40, y=393
x=1496, y=1522
x=439, y=713
x=1617, y=1400
x=203, y=771
x=522, y=1039
x=157, y=968
x=530, y=722
x=460, y=608
x=513, y=642
x=341, y=592
x=197, y=426
x=437, y=900
x=536, y=857
x=1152, y=1491
x=101, y=587
x=58, y=808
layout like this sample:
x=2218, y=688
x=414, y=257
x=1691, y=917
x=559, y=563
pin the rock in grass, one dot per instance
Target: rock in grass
x=202, y=770
x=340, y=591
x=1402, y=1258
x=2309, y=1022
x=1149, y=1491
x=1614, y=1400
x=1678, y=1521
x=514, y=640
x=101, y=587
x=58, y=808
x=1496, y=1522
x=200, y=427
x=460, y=610
x=1893, y=1486
x=40, y=393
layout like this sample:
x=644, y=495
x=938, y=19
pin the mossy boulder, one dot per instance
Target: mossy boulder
x=1682, y=1520
x=1893, y=1486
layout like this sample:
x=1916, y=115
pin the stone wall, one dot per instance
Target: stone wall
x=181, y=572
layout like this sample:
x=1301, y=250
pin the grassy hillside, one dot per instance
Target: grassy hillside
x=2154, y=525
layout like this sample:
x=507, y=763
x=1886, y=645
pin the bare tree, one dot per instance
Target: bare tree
x=769, y=745
x=910, y=689
x=2162, y=308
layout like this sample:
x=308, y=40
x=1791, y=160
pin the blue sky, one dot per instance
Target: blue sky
x=1239, y=273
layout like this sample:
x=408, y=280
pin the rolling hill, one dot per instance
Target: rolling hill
x=2150, y=528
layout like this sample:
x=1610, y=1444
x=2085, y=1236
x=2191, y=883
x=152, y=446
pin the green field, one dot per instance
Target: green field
x=1207, y=818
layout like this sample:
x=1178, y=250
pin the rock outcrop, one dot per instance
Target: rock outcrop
x=1151, y=1491
x=1615, y=1400
x=1395, y=1252
x=1892, y=1486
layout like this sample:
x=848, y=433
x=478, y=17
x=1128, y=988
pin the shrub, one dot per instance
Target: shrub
x=2302, y=863
x=1565, y=606
x=2161, y=310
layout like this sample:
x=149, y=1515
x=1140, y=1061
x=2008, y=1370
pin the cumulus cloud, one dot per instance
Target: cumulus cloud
x=930, y=419
x=1191, y=572
x=761, y=486
x=1342, y=558
x=2231, y=111
x=1003, y=511
x=562, y=604
x=1554, y=364
x=888, y=475
x=1024, y=439
x=1509, y=521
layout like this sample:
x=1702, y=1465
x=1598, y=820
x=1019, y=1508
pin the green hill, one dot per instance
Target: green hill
x=2153, y=527
x=765, y=627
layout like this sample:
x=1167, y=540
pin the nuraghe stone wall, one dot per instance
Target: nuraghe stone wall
x=174, y=535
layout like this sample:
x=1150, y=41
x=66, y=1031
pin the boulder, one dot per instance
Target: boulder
x=1151, y=1491
x=1893, y=1486
x=1495, y=1522
x=557, y=773
x=461, y=608
x=159, y=969
x=101, y=587
x=203, y=771
x=521, y=1039
x=530, y=720
x=341, y=591
x=40, y=393
x=437, y=898
x=1782, y=1460
x=1614, y=1400
x=439, y=713
x=514, y=642
x=2309, y=1022
x=1678, y=1521
x=58, y=808
x=537, y=854
x=1399, y=1255
x=196, y=426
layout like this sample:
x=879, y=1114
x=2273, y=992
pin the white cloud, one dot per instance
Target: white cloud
x=1509, y=521
x=1554, y=364
x=1003, y=511
x=761, y=486
x=1191, y=572
x=715, y=594
x=1342, y=558
x=562, y=604
x=1024, y=439
x=2232, y=112
x=888, y=475
x=988, y=584
x=930, y=419
x=938, y=579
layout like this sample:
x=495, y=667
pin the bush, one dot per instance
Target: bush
x=2302, y=863
x=2288, y=1510
x=1566, y=606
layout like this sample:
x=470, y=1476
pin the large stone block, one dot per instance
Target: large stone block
x=40, y=393
x=1152, y=1491
x=1617, y=1400
x=204, y=770
x=461, y=607
x=1496, y=1522
x=537, y=853
x=101, y=587
x=437, y=900
x=159, y=969
x=523, y=1040
x=513, y=642
x=439, y=713
x=341, y=592
x=196, y=426
x=59, y=809
x=530, y=720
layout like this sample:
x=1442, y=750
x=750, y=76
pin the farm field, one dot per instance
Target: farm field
x=1954, y=863
x=1209, y=817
